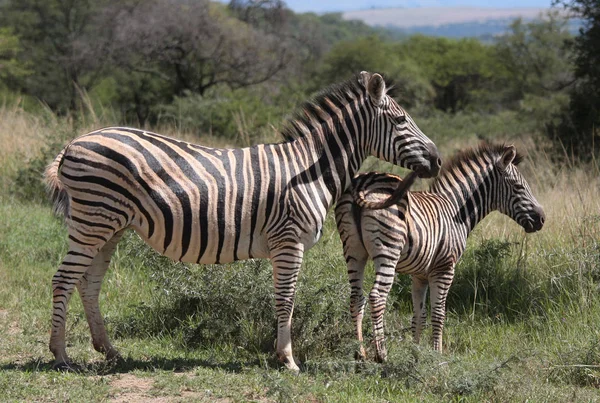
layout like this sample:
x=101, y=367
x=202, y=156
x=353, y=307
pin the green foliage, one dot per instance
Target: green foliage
x=455, y=68
x=215, y=305
x=347, y=58
x=53, y=37
x=371, y=53
x=535, y=56
x=578, y=131
x=137, y=95
x=11, y=68
x=28, y=184
x=578, y=365
x=241, y=116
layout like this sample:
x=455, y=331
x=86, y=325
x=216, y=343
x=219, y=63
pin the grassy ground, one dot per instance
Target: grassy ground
x=523, y=320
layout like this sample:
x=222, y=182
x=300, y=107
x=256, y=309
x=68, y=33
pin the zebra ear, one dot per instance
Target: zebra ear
x=376, y=88
x=363, y=78
x=508, y=156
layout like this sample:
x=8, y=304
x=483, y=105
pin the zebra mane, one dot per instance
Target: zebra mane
x=314, y=112
x=485, y=149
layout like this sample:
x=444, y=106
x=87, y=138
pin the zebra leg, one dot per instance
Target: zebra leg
x=75, y=264
x=286, y=261
x=89, y=289
x=356, y=271
x=439, y=285
x=384, y=278
x=419, y=290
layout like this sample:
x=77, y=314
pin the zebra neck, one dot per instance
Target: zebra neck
x=330, y=157
x=470, y=195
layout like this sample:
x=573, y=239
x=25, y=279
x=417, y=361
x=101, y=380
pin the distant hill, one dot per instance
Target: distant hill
x=448, y=21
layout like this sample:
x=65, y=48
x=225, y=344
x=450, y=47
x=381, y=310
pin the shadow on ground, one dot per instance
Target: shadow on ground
x=129, y=364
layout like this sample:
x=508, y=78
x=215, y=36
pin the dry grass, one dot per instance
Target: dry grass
x=21, y=134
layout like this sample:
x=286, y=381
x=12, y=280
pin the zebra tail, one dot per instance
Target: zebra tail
x=401, y=190
x=56, y=189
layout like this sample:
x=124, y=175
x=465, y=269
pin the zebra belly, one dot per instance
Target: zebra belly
x=422, y=248
x=218, y=247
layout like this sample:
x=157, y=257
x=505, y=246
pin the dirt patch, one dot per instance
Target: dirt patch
x=12, y=327
x=133, y=389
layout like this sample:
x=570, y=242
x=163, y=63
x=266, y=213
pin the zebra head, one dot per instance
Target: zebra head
x=395, y=137
x=516, y=199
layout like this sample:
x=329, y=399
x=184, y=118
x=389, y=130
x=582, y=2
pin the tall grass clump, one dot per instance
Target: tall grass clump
x=577, y=365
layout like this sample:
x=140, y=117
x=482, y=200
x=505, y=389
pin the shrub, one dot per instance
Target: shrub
x=240, y=116
x=28, y=184
x=233, y=305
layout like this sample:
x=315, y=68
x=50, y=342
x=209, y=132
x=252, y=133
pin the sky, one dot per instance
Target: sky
x=320, y=6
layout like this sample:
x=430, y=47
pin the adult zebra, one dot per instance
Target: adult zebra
x=207, y=205
x=425, y=233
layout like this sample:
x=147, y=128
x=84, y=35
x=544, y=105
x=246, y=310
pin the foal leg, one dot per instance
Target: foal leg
x=419, y=290
x=356, y=272
x=439, y=284
x=385, y=270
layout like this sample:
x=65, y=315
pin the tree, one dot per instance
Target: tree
x=536, y=56
x=373, y=54
x=11, y=69
x=455, y=68
x=347, y=58
x=193, y=45
x=579, y=129
x=53, y=36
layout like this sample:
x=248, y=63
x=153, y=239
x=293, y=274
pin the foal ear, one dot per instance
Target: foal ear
x=508, y=156
x=376, y=88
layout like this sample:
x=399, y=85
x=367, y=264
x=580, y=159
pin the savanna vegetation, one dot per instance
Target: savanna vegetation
x=523, y=313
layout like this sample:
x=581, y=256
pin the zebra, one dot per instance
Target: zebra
x=208, y=205
x=424, y=233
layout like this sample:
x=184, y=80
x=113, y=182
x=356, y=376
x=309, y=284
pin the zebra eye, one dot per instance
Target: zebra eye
x=400, y=120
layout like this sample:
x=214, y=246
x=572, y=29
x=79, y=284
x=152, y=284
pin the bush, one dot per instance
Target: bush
x=233, y=305
x=487, y=283
x=240, y=116
x=28, y=184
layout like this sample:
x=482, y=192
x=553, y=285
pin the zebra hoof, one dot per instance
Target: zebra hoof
x=360, y=356
x=66, y=367
x=113, y=356
x=381, y=357
x=290, y=364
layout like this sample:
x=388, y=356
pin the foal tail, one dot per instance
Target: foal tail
x=401, y=189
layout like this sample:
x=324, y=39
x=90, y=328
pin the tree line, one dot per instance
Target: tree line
x=201, y=62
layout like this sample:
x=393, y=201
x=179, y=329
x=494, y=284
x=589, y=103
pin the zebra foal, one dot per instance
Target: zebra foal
x=208, y=205
x=425, y=233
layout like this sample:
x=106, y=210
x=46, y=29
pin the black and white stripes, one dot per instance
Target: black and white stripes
x=206, y=205
x=425, y=233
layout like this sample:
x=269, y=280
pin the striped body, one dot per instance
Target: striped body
x=207, y=205
x=425, y=233
x=193, y=203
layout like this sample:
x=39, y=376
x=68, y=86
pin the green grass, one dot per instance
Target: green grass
x=523, y=318
x=540, y=355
